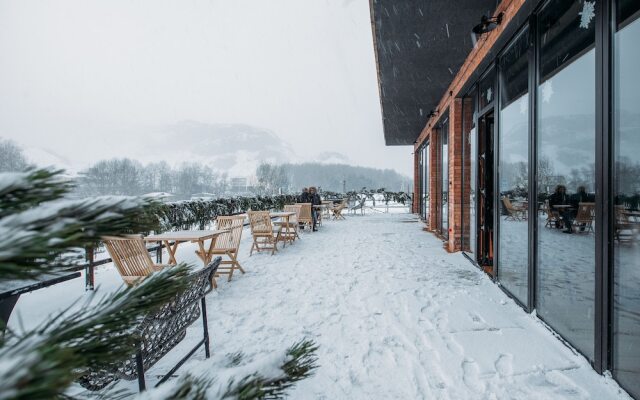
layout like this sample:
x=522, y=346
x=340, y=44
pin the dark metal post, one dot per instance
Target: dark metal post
x=159, y=253
x=604, y=209
x=89, y=277
x=140, y=367
x=205, y=328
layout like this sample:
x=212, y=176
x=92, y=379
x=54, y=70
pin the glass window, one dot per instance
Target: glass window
x=444, y=140
x=469, y=155
x=626, y=290
x=425, y=183
x=487, y=88
x=513, y=168
x=565, y=170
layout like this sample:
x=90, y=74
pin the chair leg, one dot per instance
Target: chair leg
x=140, y=369
x=205, y=328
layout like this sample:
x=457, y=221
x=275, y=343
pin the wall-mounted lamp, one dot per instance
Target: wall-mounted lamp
x=487, y=24
x=433, y=113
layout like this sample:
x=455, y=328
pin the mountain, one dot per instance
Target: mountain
x=233, y=148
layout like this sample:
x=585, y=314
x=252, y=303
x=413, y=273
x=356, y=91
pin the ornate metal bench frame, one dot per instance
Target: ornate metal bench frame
x=160, y=332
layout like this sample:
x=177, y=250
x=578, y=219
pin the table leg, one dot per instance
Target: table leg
x=6, y=307
x=172, y=251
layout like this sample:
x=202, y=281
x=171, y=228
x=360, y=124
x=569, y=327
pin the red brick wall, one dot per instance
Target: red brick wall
x=451, y=101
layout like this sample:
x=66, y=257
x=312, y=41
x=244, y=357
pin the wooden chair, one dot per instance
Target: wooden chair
x=328, y=204
x=265, y=235
x=336, y=211
x=553, y=217
x=227, y=244
x=584, y=218
x=514, y=213
x=290, y=231
x=625, y=228
x=305, y=217
x=131, y=257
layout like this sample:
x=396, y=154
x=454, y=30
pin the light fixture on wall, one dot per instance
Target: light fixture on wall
x=433, y=113
x=487, y=24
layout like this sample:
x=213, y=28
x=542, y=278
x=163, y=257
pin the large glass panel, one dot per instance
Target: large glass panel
x=626, y=291
x=513, y=168
x=470, y=159
x=565, y=170
x=425, y=183
x=444, y=135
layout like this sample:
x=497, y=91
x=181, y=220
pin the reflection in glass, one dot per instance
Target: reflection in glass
x=470, y=155
x=565, y=171
x=486, y=89
x=425, y=183
x=444, y=140
x=626, y=291
x=513, y=164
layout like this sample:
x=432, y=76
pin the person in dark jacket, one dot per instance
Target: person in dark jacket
x=561, y=198
x=304, y=196
x=314, y=199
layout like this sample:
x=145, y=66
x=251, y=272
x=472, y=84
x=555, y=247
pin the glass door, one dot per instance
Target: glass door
x=566, y=137
x=485, y=192
x=626, y=231
x=444, y=158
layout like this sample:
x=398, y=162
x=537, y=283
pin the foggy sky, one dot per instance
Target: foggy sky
x=92, y=79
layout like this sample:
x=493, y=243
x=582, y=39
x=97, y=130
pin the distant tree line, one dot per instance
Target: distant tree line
x=328, y=177
x=130, y=177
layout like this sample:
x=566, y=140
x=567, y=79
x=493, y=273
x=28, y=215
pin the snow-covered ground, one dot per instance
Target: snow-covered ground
x=395, y=316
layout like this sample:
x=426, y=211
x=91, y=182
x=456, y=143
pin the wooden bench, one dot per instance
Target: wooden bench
x=161, y=331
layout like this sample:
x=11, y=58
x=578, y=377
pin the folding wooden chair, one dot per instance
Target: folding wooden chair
x=131, y=257
x=584, y=218
x=513, y=213
x=553, y=217
x=305, y=217
x=228, y=244
x=336, y=211
x=265, y=235
x=290, y=230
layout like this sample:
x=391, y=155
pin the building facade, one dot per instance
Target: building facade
x=529, y=164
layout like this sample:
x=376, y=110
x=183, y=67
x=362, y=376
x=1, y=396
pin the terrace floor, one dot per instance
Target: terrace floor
x=395, y=316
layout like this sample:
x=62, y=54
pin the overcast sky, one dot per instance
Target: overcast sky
x=91, y=79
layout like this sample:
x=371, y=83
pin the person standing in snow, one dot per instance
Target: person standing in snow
x=304, y=196
x=314, y=199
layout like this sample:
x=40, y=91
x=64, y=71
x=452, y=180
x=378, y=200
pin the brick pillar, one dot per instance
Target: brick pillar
x=467, y=121
x=455, y=175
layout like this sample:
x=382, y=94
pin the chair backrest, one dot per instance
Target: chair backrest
x=130, y=256
x=230, y=239
x=260, y=221
x=547, y=207
x=507, y=204
x=585, y=212
x=293, y=208
x=621, y=217
x=305, y=213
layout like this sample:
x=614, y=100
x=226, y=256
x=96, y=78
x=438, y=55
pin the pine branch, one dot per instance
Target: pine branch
x=48, y=238
x=43, y=363
x=298, y=362
x=22, y=190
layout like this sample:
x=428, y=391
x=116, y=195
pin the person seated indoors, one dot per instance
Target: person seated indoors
x=314, y=199
x=561, y=198
x=581, y=196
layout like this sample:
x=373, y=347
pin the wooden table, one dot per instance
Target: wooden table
x=10, y=291
x=204, y=253
x=290, y=233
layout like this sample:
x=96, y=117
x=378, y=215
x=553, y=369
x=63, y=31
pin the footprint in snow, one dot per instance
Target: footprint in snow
x=471, y=376
x=504, y=365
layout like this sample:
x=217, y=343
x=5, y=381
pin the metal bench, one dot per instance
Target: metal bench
x=160, y=332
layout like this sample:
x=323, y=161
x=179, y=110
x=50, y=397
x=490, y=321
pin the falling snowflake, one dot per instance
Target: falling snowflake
x=587, y=13
x=547, y=91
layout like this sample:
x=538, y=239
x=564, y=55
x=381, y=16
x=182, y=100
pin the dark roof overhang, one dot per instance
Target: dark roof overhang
x=420, y=46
